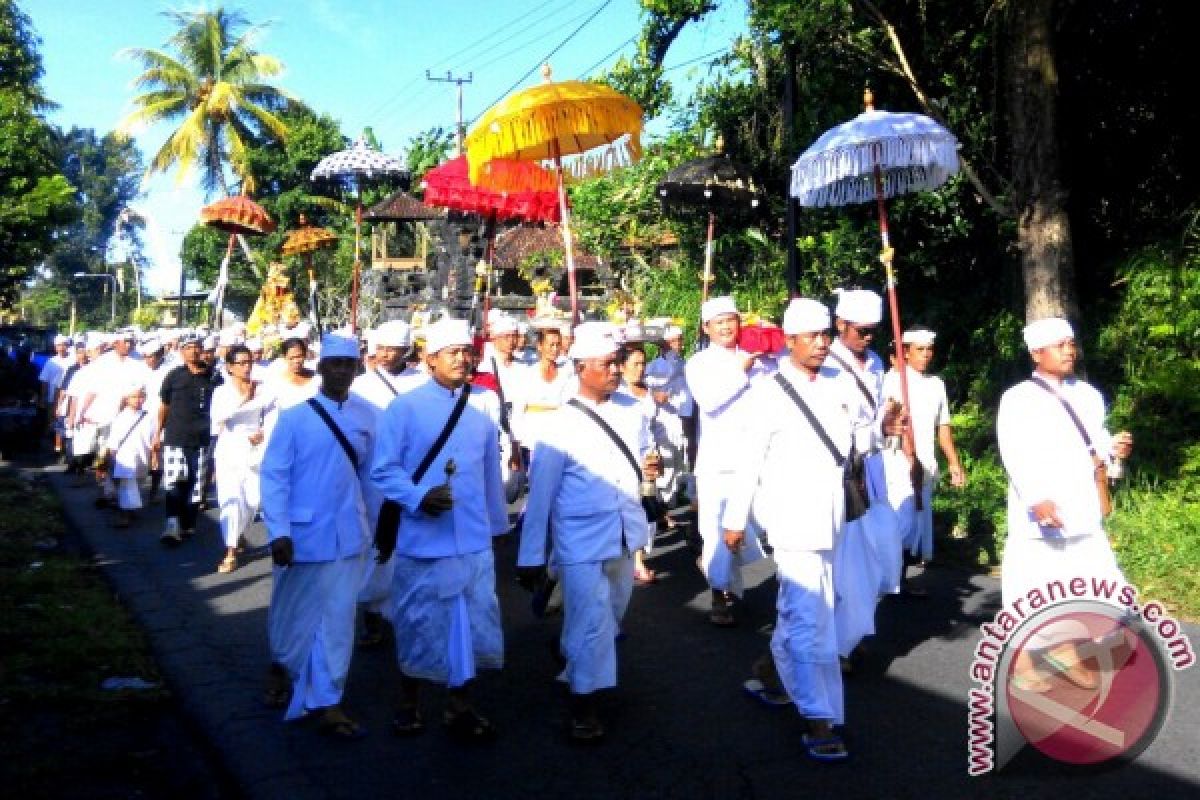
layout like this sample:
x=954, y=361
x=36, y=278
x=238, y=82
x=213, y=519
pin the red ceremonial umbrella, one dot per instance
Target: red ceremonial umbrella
x=449, y=186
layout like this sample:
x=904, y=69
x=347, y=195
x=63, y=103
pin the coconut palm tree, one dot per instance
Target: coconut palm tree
x=213, y=81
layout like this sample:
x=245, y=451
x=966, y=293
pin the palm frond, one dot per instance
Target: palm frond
x=151, y=112
x=271, y=125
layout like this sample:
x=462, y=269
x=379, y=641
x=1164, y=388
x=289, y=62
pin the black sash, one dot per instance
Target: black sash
x=862, y=387
x=336, y=431
x=650, y=505
x=387, y=528
x=386, y=382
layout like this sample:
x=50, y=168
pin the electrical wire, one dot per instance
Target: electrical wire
x=545, y=58
x=583, y=75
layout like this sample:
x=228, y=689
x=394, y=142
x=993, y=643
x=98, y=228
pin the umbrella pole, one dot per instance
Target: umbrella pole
x=566, y=233
x=312, y=294
x=709, y=247
x=488, y=254
x=222, y=280
x=357, y=264
x=897, y=333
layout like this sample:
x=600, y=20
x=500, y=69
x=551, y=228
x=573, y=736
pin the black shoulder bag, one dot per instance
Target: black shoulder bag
x=853, y=478
x=387, y=528
x=651, y=504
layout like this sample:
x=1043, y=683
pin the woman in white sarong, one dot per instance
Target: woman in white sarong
x=294, y=383
x=242, y=414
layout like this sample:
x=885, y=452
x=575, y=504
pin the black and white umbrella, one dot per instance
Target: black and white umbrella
x=355, y=167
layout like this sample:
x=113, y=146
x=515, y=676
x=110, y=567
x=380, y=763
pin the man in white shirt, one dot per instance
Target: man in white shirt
x=585, y=508
x=51, y=379
x=1055, y=511
x=314, y=473
x=379, y=386
x=862, y=574
x=446, y=479
x=805, y=518
x=930, y=418
x=720, y=378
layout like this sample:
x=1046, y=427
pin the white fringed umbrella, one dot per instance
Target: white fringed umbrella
x=356, y=166
x=874, y=156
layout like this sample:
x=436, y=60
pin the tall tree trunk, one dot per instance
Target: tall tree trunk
x=1043, y=229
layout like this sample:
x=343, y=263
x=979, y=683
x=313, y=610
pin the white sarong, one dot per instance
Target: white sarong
x=310, y=624
x=595, y=597
x=722, y=568
x=805, y=642
x=446, y=617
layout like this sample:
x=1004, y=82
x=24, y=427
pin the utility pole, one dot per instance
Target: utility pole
x=460, y=128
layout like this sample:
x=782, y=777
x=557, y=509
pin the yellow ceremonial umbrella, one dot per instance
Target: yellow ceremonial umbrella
x=548, y=122
x=304, y=241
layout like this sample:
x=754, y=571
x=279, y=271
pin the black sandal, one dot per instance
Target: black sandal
x=408, y=722
x=469, y=727
x=586, y=731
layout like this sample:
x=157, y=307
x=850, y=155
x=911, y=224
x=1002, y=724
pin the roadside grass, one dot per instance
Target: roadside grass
x=62, y=634
x=1155, y=531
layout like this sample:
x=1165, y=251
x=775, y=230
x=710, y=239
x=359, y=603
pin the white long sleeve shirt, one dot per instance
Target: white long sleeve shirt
x=1046, y=459
x=310, y=490
x=719, y=385
x=584, y=496
x=407, y=431
x=233, y=420
x=785, y=470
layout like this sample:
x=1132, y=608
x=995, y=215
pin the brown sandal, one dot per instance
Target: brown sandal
x=228, y=564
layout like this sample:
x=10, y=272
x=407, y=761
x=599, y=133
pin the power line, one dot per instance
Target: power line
x=525, y=15
x=691, y=61
x=546, y=57
x=614, y=51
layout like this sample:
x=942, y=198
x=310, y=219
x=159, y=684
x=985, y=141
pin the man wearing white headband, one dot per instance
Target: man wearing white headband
x=861, y=578
x=806, y=518
x=379, y=386
x=719, y=378
x=151, y=351
x=585, y=507
x=931, y=422
x=439, y=460
x=1059, y=456
x=315, y=496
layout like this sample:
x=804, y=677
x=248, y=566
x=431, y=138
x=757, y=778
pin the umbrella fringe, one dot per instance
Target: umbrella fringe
x=537, y=127
x=843, y=175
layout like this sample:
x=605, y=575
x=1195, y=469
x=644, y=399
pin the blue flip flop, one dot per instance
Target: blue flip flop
x=768, y=697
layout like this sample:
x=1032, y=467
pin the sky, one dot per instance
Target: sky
x=363, y=62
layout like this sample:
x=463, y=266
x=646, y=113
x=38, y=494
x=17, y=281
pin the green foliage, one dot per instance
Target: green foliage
x=1151, y=350
x=35, y=198
x=426, y=150
x=1155, y=530
x=281, y=173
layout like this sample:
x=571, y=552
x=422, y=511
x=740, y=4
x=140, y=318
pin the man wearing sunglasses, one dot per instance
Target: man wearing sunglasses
x=859, y=579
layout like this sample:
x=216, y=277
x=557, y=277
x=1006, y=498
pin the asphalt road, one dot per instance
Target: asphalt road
x=679, y=725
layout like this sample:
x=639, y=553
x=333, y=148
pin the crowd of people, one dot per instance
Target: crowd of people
x=384, y=469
